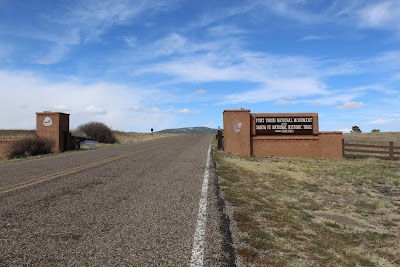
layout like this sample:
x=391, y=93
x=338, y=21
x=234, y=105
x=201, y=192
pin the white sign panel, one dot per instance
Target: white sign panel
x=47, y=121
x=89, y=143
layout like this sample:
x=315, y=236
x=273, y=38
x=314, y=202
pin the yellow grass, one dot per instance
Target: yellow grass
x=133, y=137
x=314, y=212
x=373, y=138
x=17, y=134
x=122, y=137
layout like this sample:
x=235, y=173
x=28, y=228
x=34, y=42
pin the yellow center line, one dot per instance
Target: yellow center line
x=66, y=172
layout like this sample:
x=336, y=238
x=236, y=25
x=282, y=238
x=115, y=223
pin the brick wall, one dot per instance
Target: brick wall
x=4, y=145
x=241, y=137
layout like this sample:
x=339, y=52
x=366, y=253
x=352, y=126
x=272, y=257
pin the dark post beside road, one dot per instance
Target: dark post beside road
x=219, y=137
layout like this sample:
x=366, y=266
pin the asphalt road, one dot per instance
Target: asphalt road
x=132, y=205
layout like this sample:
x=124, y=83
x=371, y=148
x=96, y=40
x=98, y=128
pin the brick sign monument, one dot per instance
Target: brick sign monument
x=278, y=134
x=54, y=126
x=49, y=125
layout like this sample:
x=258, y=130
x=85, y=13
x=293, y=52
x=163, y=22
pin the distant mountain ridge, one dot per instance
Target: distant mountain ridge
x=190, y=130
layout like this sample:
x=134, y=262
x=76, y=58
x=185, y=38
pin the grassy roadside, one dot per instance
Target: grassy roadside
x=313, y=212
x=122, y=137
x=373, y=138
x=133, y=137
x=17, y=134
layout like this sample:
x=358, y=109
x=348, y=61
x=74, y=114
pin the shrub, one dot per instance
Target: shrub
x=375, y=131
x=30, y=147
x=98, y=131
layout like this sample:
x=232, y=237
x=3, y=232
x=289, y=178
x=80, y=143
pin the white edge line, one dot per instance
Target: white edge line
x=198, y=243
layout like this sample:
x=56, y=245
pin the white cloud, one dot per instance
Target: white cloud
x=131, y=41
x=265, y=77
x=85, y=102
x=226, y=61
x=382, y=14
x=56, y=108
x=153, y=110
x=200, y=92
x=395, y=76
x=209, y=124
x=331, y=98
x=315, y=38
x=192, y=70
x=4, y=51
x=351, y=105
x=277, y=89
x=136, y=108
x=225, y=30
x=294, y=10
x=345, y=130
x=172, y=43
x=213, y=16
x=186, y=111
x=392, y=122
x=56, y=54
x=385, y=124
x=94, y=110
x=86, y=21
x=281, y=102
x=142, y=110
x=93, y=18
x=387, y=61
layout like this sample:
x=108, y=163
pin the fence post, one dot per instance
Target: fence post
x=391, y=151
x=343, y=147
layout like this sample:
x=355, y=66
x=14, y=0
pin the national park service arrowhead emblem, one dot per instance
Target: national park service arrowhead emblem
x=237, y=126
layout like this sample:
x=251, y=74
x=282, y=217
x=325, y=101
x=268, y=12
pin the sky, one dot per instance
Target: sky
x=137, y=65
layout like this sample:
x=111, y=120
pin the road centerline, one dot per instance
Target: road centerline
x=69, y=171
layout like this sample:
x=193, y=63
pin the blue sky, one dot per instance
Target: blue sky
x=137, y=65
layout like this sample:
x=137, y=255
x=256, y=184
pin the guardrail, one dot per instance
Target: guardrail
x=371, y=151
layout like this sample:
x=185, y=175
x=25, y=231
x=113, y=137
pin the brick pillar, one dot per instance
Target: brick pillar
x=237, y=132
x=54, y=126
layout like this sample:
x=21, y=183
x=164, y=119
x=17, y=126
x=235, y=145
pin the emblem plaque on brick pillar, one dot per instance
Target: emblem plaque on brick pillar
x=47, y=121
x=237, y=126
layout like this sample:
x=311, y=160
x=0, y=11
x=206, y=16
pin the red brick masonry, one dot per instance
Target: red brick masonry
x=58, y=131
x=4, y=145
x=240, y=137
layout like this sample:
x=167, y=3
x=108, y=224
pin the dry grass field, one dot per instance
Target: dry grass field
x=133, y=137
x=122, y=137
x=313, y=212
x=373, y=138
x=376, y=139
x=17, y=134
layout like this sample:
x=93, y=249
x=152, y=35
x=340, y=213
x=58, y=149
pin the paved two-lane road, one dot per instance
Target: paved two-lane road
x=133, y=205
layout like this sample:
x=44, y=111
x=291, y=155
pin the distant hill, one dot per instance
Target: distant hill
x=190, y=130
